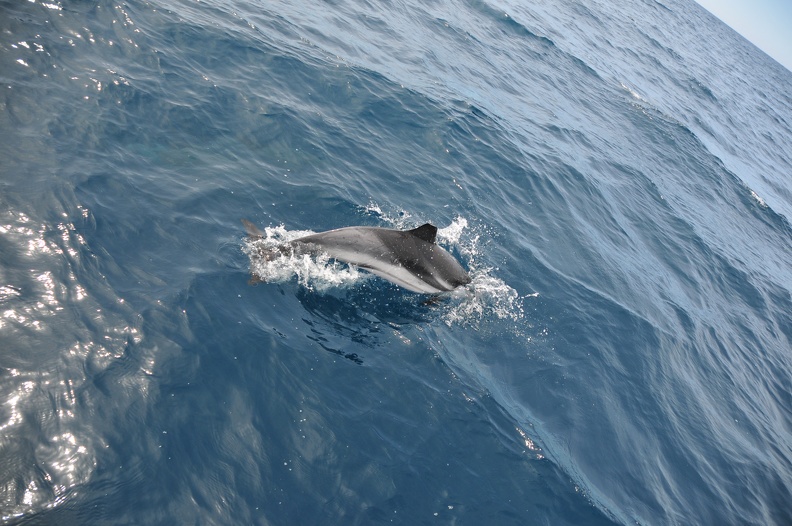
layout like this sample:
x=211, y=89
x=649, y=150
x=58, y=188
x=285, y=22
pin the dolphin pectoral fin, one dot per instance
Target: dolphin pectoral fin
x=432, y=300
x=252, y=230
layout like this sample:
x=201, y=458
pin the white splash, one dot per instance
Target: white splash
x=453, y=232
x=399, y=219
x=485, y=297
x=632, y=91
x=319, y=273
x=758, y=199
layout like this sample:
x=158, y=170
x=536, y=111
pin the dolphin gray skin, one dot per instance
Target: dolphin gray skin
x=408, y=258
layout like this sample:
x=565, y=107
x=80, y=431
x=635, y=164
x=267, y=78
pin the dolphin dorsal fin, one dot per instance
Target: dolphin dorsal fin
x=252, y=230
x=427, y=232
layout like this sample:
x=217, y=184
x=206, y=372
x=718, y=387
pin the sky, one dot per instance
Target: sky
x=766, y=23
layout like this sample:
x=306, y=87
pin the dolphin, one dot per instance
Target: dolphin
x=409, y=258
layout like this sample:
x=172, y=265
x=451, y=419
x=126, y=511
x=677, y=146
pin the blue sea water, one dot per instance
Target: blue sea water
x=615, y=175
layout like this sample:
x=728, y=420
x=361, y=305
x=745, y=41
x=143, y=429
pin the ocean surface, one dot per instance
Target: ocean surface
x=616, y=177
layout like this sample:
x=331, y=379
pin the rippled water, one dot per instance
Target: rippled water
x=615, y=177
